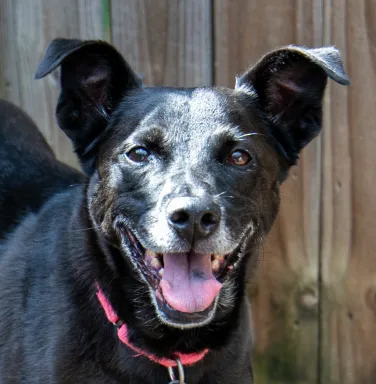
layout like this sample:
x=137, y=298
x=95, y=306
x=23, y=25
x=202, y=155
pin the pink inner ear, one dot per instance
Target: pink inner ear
x=284, y=89
x=95, y=86
x=281, y=94
x=289, y=86
x=101, y=74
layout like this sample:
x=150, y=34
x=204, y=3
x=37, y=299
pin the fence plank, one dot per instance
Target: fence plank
x=9, y=87
x=167, y=42
x=348, y=354
x=285, y=301
x=30, y=26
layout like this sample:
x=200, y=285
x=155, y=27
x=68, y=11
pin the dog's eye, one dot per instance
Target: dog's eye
x=138, y=155
x=239, y=158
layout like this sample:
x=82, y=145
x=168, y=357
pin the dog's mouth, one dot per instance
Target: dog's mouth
x=183, y=283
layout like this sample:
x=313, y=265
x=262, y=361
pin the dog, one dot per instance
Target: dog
x=134, y=270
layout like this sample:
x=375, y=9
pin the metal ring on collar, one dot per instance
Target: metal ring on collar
x=181, y=379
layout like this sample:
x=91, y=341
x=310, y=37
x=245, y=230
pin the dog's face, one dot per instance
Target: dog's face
x=185, y=182
x=174, y=177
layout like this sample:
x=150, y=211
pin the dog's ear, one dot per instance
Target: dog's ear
x=289, y=84
x=94, y=78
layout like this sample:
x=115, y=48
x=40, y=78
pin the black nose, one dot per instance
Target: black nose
x=193, y=216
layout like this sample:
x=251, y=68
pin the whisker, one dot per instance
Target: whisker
x=250, y=134
x=222, y=194
x=85, y=229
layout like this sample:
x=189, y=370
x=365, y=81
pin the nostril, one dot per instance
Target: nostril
x=179, y=217
x=193, y=216
x=208, y=220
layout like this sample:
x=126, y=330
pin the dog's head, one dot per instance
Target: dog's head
x=184, y=183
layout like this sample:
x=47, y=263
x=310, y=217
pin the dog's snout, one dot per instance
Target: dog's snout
x=193, y=216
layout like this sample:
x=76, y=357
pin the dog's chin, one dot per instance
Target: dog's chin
x=184, y=287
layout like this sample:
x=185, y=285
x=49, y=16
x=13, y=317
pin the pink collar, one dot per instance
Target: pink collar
x=185, y=358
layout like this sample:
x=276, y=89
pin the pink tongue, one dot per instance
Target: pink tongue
x=188, y=284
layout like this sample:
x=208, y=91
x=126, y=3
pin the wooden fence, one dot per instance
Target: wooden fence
x=314, y=296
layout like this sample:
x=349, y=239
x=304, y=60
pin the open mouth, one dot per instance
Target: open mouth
x=183, y=283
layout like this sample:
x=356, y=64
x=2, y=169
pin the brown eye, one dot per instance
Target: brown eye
x=138, y=155
x=239, y=158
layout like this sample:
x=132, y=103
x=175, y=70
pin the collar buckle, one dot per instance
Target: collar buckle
x=181, y=378
x=118, y=323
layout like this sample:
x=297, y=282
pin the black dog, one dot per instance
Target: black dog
x=181, y=187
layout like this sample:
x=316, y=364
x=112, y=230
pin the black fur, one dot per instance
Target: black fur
x=62, y=233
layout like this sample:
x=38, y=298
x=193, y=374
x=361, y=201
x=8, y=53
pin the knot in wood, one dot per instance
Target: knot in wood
x=308, y=299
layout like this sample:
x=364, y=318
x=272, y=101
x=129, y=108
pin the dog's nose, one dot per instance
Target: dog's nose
x=193, y=216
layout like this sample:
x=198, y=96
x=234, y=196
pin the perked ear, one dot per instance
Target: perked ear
x=94, y=78
x=290, y=83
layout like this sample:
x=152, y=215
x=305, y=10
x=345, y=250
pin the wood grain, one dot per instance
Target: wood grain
x=9, y=85
x=167, y=42
x=348, y=353
x=285, y=300
x=29, y=27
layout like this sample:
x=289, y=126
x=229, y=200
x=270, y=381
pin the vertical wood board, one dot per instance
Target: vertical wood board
x=348, y=354
x=167, y=42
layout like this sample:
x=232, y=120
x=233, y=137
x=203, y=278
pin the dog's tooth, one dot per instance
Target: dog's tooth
x=215, y=265
x=160, y=272
x=150, y=254
x=155, y=263
x=221, y=258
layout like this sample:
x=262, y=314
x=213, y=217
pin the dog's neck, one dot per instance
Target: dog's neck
x=122, y=331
